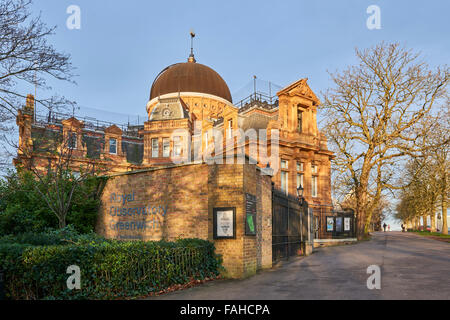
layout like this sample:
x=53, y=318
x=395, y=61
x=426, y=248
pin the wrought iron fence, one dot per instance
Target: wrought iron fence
x=289, y=225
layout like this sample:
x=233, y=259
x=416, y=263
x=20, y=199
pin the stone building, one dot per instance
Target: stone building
x=189, y=103
x=170, y=177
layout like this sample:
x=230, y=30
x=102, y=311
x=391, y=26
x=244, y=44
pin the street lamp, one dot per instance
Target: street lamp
x=300, y=194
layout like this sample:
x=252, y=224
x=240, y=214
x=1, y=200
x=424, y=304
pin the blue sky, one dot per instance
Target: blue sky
x=123, y=45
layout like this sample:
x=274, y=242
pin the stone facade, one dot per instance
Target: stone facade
x=184, y=123
x=178, y=202
x=162, y=184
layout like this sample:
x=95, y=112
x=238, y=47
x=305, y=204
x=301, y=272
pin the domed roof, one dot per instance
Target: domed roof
x=190, y=77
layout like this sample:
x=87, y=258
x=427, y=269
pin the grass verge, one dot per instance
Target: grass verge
x=434, y=234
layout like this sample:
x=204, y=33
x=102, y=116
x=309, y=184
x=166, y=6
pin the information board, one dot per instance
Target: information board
x=250, y=215
x=224, y=223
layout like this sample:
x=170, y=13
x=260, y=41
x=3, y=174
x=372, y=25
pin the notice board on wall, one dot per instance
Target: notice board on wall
x=330, y=224
x=250, y=215
x=224, y=223
x=339, y=224
x=346, y=224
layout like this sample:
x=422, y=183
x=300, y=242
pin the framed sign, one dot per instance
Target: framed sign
x=330, y=224
x=224, y=223
x=346, y=224
x=250, y=215
x=338, y=224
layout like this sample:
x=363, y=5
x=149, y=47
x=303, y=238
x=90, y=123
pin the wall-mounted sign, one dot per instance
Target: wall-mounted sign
x=346, y=224
x=250, y=215
x=330, y=224
x=224, y=223
x=338, y=224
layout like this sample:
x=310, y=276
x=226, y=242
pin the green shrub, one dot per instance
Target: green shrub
x=63, y=236
x=21, y=207
x=23, y=210
x=109, y=268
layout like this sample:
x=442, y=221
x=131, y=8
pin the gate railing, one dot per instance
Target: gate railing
x=289, y=225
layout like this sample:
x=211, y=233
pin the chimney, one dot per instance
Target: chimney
x=30, y=102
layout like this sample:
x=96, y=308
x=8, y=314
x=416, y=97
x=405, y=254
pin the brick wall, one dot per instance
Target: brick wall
x=178, y=202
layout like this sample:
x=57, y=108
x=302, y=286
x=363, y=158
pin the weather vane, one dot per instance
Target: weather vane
x=191, y=56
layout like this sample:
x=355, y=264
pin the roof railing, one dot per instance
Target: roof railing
x=89, y=123
x=258, y=97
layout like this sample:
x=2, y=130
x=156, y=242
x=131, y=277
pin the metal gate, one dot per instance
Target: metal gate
x=289, y=225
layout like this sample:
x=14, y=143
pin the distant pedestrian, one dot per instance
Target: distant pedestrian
x=389, y=227
x=384, y=227
x=403, y=228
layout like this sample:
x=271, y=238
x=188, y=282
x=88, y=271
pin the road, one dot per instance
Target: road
x=412, y=267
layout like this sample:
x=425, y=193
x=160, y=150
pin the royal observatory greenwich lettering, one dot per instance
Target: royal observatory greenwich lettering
x=149, y=217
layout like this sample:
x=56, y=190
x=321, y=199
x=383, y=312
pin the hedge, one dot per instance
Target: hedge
x=109, y=269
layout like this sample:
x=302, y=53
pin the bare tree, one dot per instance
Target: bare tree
x=419, y=196
x=435, y=161
x=27, y=59
x=372, y=115
x=62, y=174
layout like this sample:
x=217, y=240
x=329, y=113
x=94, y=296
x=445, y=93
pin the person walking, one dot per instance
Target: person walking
x=384, y=226
x=389, y=227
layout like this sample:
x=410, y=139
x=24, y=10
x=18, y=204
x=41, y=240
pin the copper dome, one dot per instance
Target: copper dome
x=190, y=77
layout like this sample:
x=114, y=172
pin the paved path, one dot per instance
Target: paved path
x=412, y=267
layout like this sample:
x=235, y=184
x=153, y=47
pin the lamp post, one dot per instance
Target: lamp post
x=300, y=194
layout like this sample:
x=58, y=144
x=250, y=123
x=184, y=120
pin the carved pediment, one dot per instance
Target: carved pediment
x=114, y=130
x=299, y=88
x=72, y=122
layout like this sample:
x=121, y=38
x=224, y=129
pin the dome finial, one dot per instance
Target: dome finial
x=191, y=56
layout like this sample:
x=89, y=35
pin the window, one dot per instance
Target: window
x=155, y=148
x=72, y=140
x=314, y=186
x=284, y=164
x=166, y=147
x=177, y=146
x=300, y=120
x=230, y=129
x=299, y=166
x=284, y=181
x=113, y=146
x=299, y=180
x=313, y=169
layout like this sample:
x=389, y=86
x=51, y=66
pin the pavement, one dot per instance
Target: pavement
x=412, y=267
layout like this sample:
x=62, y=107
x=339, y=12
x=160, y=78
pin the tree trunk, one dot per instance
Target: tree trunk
x=368, y=223
x=409, y=225
x=62, y=223
x=433, y=222
x=444, y=215
x=416, y=223
x=361, y=207
x=360, y=225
